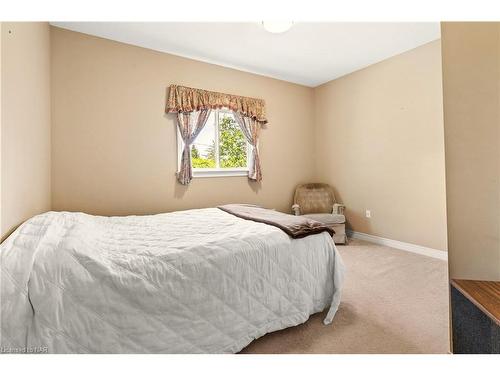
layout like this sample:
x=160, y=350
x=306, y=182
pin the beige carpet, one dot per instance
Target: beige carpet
x=393, y=302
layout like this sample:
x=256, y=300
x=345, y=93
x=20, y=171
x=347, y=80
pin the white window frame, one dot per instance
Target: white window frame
x=214, y=172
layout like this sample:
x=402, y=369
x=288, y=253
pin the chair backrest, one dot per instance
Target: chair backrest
x=315, y=198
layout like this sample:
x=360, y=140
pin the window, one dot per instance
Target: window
x=220, y=149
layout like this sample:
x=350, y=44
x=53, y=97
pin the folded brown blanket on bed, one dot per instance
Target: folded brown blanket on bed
x=294, y=226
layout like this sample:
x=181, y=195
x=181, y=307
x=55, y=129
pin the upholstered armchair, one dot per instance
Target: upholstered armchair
x=317, y=201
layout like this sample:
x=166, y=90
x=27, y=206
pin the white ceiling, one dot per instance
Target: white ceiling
x=308, y=54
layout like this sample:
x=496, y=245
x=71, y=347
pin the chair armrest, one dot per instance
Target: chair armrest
x=338, y=209
x=296, y=209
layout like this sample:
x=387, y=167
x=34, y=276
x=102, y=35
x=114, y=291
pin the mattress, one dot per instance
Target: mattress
x=195, y=281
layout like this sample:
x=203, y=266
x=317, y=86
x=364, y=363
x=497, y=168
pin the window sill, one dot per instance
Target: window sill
x=220, y=173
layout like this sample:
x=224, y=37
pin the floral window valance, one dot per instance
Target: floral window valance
x=182, y=99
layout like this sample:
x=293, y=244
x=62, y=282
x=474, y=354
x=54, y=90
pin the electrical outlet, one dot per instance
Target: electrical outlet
x=368, y=213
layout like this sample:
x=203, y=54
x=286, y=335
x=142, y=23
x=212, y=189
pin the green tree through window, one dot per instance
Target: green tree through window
x=232, y=144
x=195, y=154
x=232, y=147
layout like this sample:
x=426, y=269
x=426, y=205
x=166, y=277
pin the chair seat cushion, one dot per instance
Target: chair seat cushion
x=327, y=219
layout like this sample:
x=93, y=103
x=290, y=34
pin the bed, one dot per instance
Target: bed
x=195, y=281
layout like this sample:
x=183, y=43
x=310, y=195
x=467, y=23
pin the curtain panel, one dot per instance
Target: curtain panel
x=190, y=125
x=188, y=99
x=251, y=130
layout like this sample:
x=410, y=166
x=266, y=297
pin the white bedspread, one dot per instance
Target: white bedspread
x=196, y=281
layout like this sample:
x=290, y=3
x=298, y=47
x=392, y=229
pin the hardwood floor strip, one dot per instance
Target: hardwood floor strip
x=484, y=294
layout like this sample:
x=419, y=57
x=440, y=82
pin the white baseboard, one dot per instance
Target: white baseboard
x=422, y=250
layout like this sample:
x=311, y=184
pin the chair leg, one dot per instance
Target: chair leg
x=340, y=236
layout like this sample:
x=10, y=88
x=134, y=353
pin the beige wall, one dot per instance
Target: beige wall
x=114, y=149
x=379, y=142
x=25, y=114
x=471, y=84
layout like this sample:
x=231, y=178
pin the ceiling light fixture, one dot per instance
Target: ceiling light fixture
x=277, y=27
